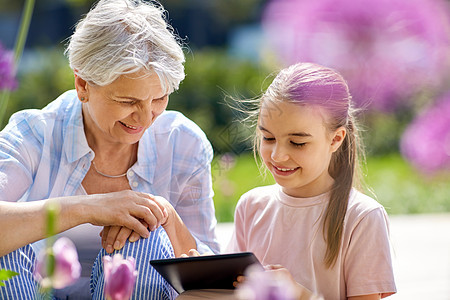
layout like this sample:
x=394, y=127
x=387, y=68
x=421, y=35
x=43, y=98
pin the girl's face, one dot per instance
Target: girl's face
x=296, y=147
x=121, y=111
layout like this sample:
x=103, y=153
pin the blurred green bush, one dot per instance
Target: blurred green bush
x=213, y=75
x=43, y=75
x=392, y=181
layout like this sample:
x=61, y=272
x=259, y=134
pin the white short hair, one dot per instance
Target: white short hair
x=120, y=37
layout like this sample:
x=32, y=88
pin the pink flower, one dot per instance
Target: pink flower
x=388, y=50
x=67, y=268
x=426, y=141
x=120, y=277
x=261, y=285
x=7, y=72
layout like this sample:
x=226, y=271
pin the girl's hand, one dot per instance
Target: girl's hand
x=194, y=252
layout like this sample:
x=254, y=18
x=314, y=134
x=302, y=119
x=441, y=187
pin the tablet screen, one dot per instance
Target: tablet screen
x=204, y=272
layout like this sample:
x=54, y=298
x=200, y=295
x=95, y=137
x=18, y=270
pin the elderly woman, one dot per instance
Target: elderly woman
x=103, y=150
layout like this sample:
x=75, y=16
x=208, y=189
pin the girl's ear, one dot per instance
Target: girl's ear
x=338, y=138
x=82, y=88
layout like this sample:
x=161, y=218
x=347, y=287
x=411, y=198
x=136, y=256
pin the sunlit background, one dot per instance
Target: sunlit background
x=394, y=54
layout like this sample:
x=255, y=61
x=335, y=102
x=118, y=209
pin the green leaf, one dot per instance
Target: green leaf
x=6, y=274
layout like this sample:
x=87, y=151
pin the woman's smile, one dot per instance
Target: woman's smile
x=130, y=128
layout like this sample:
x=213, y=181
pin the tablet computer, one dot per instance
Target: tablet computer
x=204, y=272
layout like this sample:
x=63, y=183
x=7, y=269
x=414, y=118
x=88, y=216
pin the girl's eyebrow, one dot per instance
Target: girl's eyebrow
x=301, y=134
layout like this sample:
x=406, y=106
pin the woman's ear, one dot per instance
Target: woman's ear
x=338, y=138
x=82, y=89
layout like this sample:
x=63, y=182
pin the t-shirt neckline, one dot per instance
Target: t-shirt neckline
x=300, y=202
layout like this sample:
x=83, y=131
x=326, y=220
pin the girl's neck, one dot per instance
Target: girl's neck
x=318, y=187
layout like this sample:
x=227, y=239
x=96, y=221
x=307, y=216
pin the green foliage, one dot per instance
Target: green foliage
x=381, y=132
x=45, y=74
x=211, y=76
x=397, y=186
x=6, y=275
x=229, y=185
x=403, y=190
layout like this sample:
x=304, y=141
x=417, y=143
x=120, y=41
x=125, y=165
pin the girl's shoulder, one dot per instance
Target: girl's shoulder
x=260, y=194
x=361, y=205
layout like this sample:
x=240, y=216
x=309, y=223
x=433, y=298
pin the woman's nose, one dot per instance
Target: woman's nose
x=144, y=112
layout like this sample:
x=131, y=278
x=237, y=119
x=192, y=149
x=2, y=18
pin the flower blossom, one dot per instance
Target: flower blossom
x=67, y=268
x=120, y=277
x=426, y=141
x=7, y=72
x=388, y=50
x=261, y=285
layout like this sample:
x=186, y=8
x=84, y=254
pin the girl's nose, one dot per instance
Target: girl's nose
x=279, y=154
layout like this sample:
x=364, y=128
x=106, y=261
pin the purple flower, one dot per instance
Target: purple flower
x=227, y=161
x=426, y=141
x=261, y=285
x=67, y=268
x=7, y=71
x=387, y=50
x=120, y=277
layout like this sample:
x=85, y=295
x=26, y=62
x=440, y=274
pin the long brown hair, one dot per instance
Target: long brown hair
x=312, y=84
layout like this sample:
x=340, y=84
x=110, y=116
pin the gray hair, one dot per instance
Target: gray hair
x=120, y=37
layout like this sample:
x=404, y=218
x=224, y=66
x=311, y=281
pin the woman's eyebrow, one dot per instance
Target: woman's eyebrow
x=301, y=134
x=137, y=99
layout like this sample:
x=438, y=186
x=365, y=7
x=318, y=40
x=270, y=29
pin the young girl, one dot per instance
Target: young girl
x=313, y=223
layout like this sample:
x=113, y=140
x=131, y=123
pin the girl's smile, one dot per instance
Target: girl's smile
x=283, y=171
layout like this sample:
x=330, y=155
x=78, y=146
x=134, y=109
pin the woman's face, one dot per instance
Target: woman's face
x=296, y=147
x=121, y=111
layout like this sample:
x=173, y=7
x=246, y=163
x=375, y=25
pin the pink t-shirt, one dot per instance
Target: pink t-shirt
x=284, y=230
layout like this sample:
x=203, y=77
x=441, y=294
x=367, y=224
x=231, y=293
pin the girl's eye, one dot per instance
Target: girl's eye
x=298, y=144
x=268, y=139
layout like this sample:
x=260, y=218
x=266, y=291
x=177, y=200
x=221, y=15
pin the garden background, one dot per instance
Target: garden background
x=395, y=55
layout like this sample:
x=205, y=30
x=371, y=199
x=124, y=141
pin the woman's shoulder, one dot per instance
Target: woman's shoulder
x=42, y=120
x=173, y=121
x=54, y=110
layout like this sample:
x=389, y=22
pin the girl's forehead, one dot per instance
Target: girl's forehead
x=283, y=115
x=276, y=108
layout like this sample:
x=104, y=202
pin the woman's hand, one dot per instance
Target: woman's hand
x=115, y=236
x=127, y=209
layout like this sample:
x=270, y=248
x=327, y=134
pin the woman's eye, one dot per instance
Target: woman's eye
x=298, y=144
x=161, y=99
x=268, y=139
x=127, y=102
